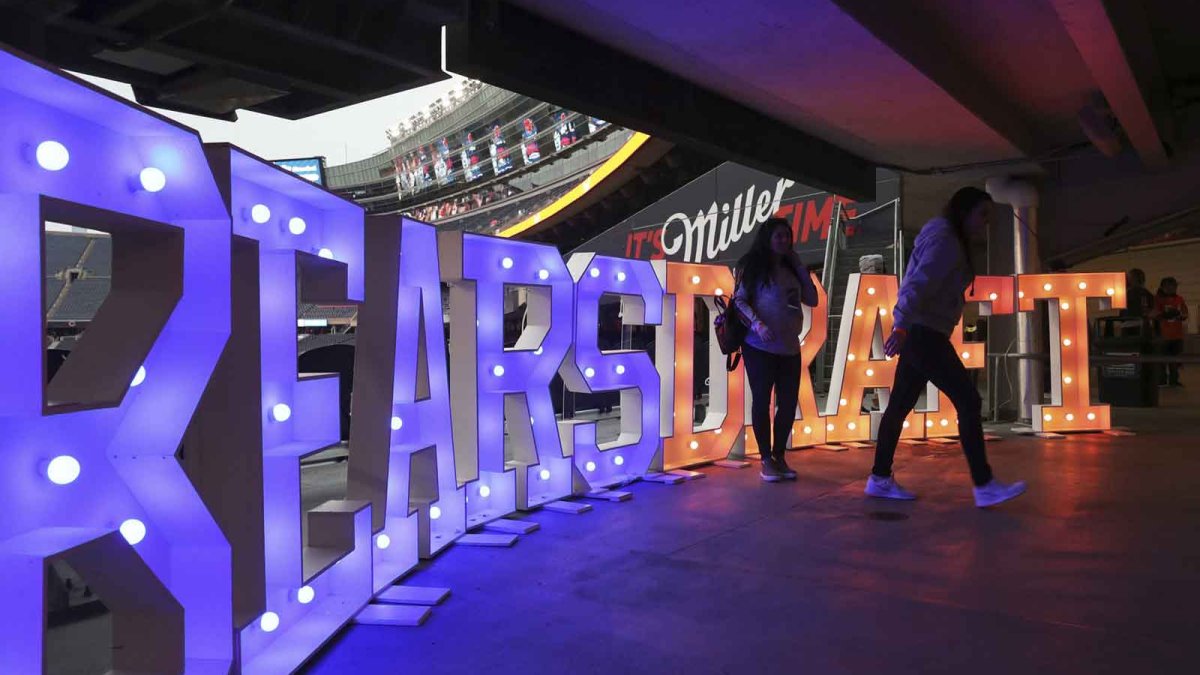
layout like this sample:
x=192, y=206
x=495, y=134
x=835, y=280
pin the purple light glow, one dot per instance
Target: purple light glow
x=126, y=449
x=630, y=372
x=299, y=415
x=509, y=388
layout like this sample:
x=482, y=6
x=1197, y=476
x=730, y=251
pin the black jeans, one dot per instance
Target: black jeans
x=1171, y=372
x=928, y=356
x=767, y=372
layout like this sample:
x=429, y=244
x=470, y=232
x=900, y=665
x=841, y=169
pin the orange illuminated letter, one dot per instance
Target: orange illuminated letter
x=1070, y=406
x=686, y=443
x=860, y=364
x=809, y=428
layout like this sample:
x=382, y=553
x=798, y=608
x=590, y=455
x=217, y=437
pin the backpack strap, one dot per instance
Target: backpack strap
x=731, y=361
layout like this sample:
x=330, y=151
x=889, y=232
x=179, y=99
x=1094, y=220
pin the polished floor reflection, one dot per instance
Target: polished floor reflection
x=1093, y=571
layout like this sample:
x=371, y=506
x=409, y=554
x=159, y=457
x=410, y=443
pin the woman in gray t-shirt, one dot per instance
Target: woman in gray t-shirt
x=772, y=286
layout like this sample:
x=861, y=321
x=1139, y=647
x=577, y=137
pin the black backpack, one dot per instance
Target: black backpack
x=731, y=332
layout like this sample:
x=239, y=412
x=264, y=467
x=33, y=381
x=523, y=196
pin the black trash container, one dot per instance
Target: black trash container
x=1131, y=384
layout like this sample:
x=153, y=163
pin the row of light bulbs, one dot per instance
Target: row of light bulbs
x=544, y=274
x=65, y=469
x=269, y=621
x=1070, y=417
x=1049, y=287
x=383, y=541
x=589, y=372
x=261, y=214
x=54, y=156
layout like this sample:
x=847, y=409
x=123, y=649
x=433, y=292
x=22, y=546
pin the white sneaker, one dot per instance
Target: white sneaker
x=995, y=492
x=887, y=488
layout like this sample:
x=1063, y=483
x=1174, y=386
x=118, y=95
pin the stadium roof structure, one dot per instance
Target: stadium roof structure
x=289, y=58
x=1096, y=99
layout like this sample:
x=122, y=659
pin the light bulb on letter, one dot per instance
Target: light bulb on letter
x=260, y=213
x=52, y=155
x=152, y=179
x=133, y=530
x=63, y=470
x=281, y=412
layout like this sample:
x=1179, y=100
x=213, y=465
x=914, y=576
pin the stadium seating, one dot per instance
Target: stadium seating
x=98, y=261
x=83, y=299
x=63, y=251
x=310, y=311
x=52, y=289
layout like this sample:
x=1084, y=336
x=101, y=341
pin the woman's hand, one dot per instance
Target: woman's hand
x=763, y=331
x=895, y=342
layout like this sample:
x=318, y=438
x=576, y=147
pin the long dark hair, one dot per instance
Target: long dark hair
x=956, y=212
x=1162, y=286
x=754, y=268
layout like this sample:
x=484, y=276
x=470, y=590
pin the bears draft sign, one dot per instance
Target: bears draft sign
x=200, y=555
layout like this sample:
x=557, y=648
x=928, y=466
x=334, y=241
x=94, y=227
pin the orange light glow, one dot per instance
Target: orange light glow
x=637, y=140
x=995, y=296
x=1070, y=407
x=862, y=334
x=686, y=442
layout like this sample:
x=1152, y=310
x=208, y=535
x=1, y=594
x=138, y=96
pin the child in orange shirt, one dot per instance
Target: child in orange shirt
x=1172, y=313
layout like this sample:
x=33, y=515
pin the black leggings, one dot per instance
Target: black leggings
x=1171, y=372
x=928, y=356
x=766, y=372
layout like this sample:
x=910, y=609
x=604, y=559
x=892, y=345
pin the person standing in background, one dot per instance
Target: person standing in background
x=1139, y=302
x=1172, y=313
x=772, y=289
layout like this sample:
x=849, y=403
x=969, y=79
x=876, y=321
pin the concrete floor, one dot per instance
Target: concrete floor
x=1095, y=570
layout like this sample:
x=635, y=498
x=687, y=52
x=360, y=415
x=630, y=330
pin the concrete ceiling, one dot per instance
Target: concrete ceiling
x=290, y=58
x=807, y=64
x=815, y=66
x=821, y=91
x=929, y=86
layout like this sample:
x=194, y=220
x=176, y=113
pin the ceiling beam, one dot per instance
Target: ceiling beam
x=425, y=67
x=1113, y=37
x=512, y=48
x=238, y=68
x=904, y=28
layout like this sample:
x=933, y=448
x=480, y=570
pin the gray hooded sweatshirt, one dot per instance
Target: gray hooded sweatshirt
x=939, y=272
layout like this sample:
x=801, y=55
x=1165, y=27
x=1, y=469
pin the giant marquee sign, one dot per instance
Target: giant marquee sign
x=201, y=556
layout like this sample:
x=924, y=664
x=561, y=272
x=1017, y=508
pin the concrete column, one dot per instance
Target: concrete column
x=1020, y=238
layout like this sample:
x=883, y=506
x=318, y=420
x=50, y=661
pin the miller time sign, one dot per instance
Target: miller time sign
x=713, y=218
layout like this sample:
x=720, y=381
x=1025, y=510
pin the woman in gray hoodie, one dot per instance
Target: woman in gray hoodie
x=929, y=306
x=772, y=289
